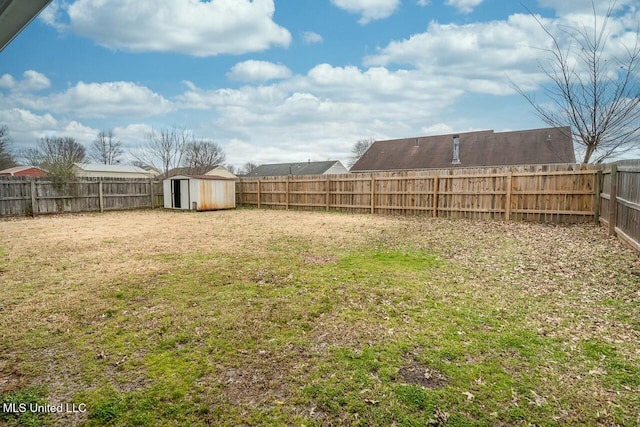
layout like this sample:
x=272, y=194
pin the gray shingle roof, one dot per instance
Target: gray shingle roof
x=483, y=148
x=282, y=169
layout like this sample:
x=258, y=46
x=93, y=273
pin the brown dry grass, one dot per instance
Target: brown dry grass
x=71, y=283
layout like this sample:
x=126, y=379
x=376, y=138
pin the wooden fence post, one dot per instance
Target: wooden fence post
x=287, y=191
x=34, y=201
x=613, y=200
x=373, y=194
x=100, y=197
x=436, y=183
x=507, y=203
x=328, y=191
x=258, y=194
x=151, y=192
x=597, y=202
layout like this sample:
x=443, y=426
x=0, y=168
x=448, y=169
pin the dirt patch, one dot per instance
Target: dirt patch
x=320, y=259
x=10, y=381
x=419, y=374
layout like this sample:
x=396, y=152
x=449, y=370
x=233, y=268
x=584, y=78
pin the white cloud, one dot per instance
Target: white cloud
x=258, y=71
x=27, y=128
x=464, y=6
x=437, y=129
x=54, y=15
x=184, y=26
x=323, y=112
x=424, y=2
x=83, y=100
x=31, y=81
x=481, y=53
x=105, y=100
x=309, y=37
x=81, y=133
x=34, y=81
x=130, y=135
x=19, y=118
x=369, y=10
x=7, y=81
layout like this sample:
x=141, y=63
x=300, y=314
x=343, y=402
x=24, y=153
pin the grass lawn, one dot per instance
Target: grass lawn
x=252, y=317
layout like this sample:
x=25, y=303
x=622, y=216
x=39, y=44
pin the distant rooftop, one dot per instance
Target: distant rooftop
x=303, y=168
x=470, y=149
x=97, y=167
x=16, y=169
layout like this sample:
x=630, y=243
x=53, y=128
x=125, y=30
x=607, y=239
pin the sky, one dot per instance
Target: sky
x=282, y=80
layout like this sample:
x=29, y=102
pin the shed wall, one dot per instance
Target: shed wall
x=207, y=194
x=213, y=194
x=166, y=187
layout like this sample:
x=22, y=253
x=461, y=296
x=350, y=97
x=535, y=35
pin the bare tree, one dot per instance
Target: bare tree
x=595, y=94
x=248, y=167
x=358, y=149
x=163, y=149
x=56, y=155
x=6, y=158
x=106, y=149
x=202, y=156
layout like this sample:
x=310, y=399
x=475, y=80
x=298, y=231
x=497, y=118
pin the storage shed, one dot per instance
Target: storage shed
x=199, y=193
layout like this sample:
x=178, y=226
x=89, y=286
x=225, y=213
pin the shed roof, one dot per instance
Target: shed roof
x=481, y=148
x=205, y=177
x=303, y=168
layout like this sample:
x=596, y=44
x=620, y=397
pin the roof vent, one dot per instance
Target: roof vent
x=549, y=137
x=456, y=150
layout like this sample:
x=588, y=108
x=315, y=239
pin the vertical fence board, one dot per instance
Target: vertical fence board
x=549, y=193
x=25, y=196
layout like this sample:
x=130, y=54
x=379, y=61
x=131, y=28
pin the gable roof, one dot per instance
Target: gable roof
x=481, y=148
x=97, y=167
x=202, y=177
x=17, y=169
x=304, y=168
x=201, y=170
x=221, y=171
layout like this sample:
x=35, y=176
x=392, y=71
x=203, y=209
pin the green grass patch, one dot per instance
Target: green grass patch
x=20, y=408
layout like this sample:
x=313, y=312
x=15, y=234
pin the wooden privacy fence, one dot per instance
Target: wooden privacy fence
x=620, y=200
x=552, y=193
x=29, y=196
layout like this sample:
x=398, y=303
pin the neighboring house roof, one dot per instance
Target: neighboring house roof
x=221, y=171
x=97, y=167
x=482, y=148
x=23, y=171
x=305, y=168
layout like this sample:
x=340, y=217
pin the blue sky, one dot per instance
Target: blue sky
x=280, y=80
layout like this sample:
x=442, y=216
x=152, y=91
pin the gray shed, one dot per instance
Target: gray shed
x=199, y=193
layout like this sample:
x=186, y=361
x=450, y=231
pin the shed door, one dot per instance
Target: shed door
x=175, y=193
